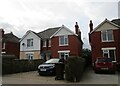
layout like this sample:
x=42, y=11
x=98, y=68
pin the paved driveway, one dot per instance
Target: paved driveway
x=89, y=77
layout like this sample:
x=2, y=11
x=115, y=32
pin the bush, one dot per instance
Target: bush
x=118, y=67
x=16, y=66
x=74, y=68
x=86, y=54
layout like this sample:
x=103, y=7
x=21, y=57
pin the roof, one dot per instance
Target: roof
x=10, y=37
x=115, y=22
x=46, y=34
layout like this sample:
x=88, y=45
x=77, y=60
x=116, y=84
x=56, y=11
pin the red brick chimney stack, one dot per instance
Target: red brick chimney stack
x=91, y=26
x=1, y=32
x=77, y=28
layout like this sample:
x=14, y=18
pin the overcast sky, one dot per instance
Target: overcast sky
x=18, y=16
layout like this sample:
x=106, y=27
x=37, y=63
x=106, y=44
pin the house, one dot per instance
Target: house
x=10, y=44
x=55, y=42
x=105, y=40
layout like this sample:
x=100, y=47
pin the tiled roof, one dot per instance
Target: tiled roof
x=116, y=21
x=46, y=34
x=10, y=37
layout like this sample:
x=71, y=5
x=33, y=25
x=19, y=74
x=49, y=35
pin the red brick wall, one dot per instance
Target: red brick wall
x=12, y=48
x=97, y=44
x=74, y=46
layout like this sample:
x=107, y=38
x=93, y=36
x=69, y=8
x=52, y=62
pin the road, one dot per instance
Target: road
x=89, y=77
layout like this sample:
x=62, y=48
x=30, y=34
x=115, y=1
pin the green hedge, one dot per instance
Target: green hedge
x=74, y=68
x=16, y=66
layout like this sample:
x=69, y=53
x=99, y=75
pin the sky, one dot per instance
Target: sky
x=19, y=16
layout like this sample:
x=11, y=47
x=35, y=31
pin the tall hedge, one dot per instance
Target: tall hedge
x=74, y=68
x=16, y=66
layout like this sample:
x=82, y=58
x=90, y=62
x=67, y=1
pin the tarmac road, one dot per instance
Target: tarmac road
x=89, y=77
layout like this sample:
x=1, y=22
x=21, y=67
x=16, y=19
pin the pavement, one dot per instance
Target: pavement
x=89, y=77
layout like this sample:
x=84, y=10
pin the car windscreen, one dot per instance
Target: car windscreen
x=52, y=61
x=104, y=60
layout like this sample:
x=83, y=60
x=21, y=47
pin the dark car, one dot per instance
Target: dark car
x=48, y=68
x=104, y=64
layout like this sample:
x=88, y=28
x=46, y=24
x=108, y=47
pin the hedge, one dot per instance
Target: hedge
x=16, y=66
x=74, y=68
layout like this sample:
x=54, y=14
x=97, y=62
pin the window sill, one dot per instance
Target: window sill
x=64, y=45
x=108, y=41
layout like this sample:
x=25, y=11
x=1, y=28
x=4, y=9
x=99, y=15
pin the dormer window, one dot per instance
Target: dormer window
x=29, y=42
x=107, y=36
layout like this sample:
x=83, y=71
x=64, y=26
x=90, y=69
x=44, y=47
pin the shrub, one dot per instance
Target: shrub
x=74, y=68
x=17, y=66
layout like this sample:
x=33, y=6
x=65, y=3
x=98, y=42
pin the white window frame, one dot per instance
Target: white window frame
x=64, y=38
x=44, y=43
x=49, y=43
x=66, y=53
x=4, y=44
x=107, y=50
x=30, y=44
x=106, y=33
x=30, y=56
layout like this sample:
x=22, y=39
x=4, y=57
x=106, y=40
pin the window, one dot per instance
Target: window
x=29, y=42
x=63, y=40
x=44, y=43
x=3, y=45
x=64, y=55
x=109, y=54
x=107, y=35
x=49, y=43
x=29, y=56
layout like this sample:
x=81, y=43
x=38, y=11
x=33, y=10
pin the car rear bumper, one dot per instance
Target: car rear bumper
x=105, y=69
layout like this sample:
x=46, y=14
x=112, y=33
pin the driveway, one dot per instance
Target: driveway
x=33, y=77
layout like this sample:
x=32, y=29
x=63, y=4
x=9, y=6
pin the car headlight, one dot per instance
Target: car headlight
x=52, y=66
x=39, y=67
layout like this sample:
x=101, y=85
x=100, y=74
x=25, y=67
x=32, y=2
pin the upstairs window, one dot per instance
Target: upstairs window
x=49, y=43
x=107, y=35
x=44, y=43
x=63, y=40
x=3, y=47
x=29, y=42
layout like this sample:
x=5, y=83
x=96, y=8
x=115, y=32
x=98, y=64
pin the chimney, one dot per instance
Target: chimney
x=1, y=32
x=77, y=31
x=76, y=28
x=91, y=26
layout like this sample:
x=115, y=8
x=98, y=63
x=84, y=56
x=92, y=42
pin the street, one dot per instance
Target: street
x=89, y=77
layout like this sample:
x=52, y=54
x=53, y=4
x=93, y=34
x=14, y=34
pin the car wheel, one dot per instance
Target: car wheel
x=96, y=71
x=113, y=72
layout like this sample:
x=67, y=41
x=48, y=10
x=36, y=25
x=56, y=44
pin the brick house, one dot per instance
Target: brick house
x=105, y=40
x=51, y=43
x=10, y=44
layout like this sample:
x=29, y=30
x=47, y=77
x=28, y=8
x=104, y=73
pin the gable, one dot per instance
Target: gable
x=36, y=42
x=28, y=33
x=106, y=26
x=64, y=31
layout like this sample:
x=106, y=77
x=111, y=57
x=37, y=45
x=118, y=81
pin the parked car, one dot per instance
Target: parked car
x=104, y=64
x=48, y=68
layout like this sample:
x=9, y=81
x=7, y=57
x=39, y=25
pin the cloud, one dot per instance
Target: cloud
x=19, y=16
